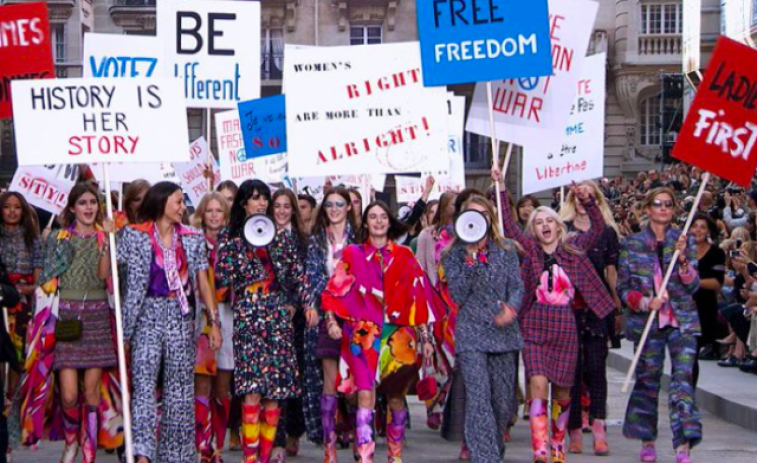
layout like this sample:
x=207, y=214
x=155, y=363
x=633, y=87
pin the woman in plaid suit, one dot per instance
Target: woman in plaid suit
x=557, y=274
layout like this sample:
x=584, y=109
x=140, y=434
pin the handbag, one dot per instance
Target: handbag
x=68, y=330
x=427, y=388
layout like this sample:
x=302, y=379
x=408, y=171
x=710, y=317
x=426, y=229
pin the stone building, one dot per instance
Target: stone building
x=643, y=39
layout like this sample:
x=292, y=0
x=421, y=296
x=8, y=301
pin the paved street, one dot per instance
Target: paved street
x=723, y=442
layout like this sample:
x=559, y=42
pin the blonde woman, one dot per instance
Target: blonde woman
x=557, y=276
x=593, y=333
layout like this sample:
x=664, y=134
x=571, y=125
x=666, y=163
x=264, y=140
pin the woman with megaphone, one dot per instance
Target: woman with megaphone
x=259, y=268
x=557, y=276
x=385, y=302
x=483, y=278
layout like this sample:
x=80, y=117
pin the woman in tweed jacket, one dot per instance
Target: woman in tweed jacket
x=644, y=258
x=557, y=275
x=486, y=286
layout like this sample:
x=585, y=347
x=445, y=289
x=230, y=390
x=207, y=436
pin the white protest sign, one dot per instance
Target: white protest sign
x=213, y=48
x=82, y=121
x=524, y=109
x=579, y=154
x=127, y=56
x=313, y=186
x=45, y=187
x=153, y=172
x=233, y=163
x=192, y=174
x=362, y=110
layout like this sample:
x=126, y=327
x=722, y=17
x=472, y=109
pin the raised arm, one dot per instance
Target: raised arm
x=586, y=241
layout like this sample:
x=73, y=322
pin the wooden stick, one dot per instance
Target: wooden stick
x=210, y=152
x=664, y=286
x=495, y=152
x=124, y=379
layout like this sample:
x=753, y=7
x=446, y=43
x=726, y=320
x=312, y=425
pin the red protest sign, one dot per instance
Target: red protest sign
x=720, y=131
x=25, y=51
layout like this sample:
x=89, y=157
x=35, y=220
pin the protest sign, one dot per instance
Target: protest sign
x=45, y=187
x=25, y=50
x=362, y=110
x=213, y=48
x=128, y=56
x=720, y=130
x=263, y=126
x=153, y=172
x=579, y=154
x=314, y=186
x=234, y=164
x=531, y=108
x=466, y=41
x=82, y=121
x=192, y=174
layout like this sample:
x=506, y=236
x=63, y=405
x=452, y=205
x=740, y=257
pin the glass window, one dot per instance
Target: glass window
x=272, y=54
x=365, y=35
x=59, y=42
x=649, y=121
x=661, y=18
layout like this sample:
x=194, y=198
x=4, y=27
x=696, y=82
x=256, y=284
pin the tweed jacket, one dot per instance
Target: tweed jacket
x=316, y=274
x=636, y=278
x=135, y=254
x=578, y=267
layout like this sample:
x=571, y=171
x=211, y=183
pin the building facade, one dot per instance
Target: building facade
x=643, y=40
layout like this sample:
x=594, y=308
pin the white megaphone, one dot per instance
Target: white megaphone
x=471, y=227
x=404, y=213
x=259, y=230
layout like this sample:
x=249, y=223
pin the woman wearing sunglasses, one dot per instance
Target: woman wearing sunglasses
x=333, y=231
x=644, y=259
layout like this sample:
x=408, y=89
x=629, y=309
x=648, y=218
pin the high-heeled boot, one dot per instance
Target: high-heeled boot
x=203, y=430
x=395, y=432
x=71, y=417
x=269, y=424
x=88, y=435
x=219, y=421
x=537, y=415
x=251, y=432
x=560, y=414
x=366, y=447
x=328, y=420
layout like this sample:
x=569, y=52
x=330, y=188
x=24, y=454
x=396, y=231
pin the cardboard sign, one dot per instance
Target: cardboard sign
x=234, y=164
x=128, y=56
x=264, y=126
x=481, y=40
x=45, y=187
x=25, y=50
x=213, y=48
x=77, y=121
x=579, y=155
x=532, y=108
x=720, y=131
x=362, y=110
x=192, y=174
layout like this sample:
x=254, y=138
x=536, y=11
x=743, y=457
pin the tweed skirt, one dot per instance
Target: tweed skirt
x=551, y=343
x=96, y=347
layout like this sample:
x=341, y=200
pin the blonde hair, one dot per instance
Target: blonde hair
x=198, y=218
x=739, y=233
x=568, y=210
x=649, y=199
x=562, y=239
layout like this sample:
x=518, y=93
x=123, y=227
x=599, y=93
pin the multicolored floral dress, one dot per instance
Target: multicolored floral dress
x=265, y=362
x=383, y=295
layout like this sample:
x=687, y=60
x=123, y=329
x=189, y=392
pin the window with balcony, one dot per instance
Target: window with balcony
x=649, y=121
x=272, y=49
x=365, y=35
x=661, y=18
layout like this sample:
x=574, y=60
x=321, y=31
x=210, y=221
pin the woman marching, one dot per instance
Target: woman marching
x=333, y=231
x=593, y=333
x=484, y=281
x=213, y=370
x=385, y=301
x=166, y=263
x=77, y=271
x=258, y=279
x=644, y=259
x=557, y=276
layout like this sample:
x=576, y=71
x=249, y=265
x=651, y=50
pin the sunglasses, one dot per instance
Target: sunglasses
x=334, y=204
x=657, y=204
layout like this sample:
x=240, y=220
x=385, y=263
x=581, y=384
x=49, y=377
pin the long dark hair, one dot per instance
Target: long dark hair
x=130, y=193
x=154, y=204
x=322, y=218
x=67, y=217
x=396, y=228
x=247, y=190
x=29, y=221
x=297, y=226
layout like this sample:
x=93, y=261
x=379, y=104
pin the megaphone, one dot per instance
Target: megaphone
x=259, y=230
x=471, y=227
x=404, y=213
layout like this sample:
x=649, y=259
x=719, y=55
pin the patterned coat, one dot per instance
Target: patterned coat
x=316, y=274
x=638, y=271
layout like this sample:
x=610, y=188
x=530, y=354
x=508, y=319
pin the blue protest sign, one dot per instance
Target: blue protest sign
x=263, y=124
x=464, y=41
